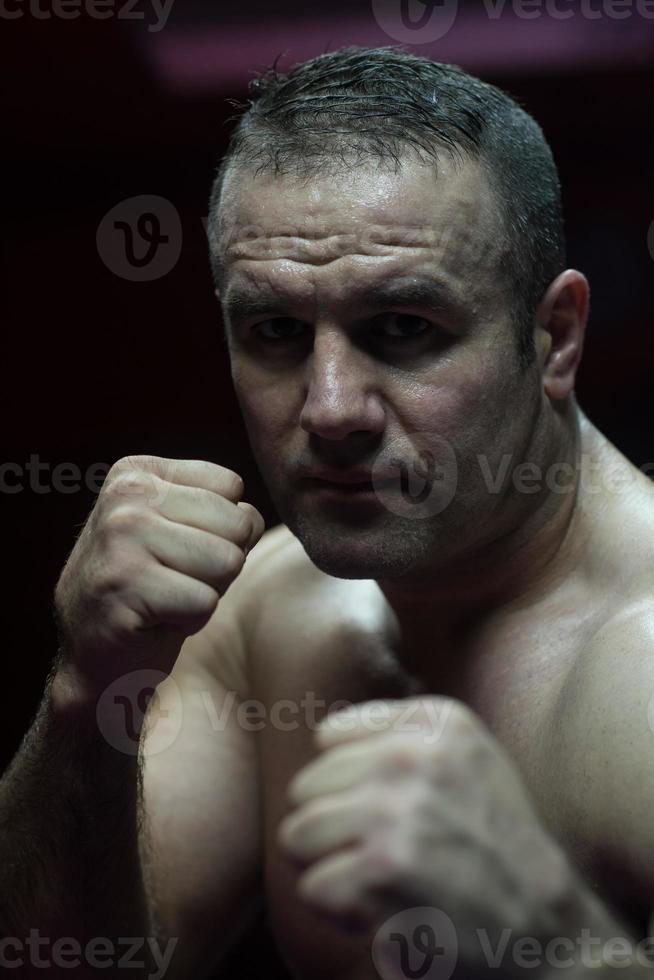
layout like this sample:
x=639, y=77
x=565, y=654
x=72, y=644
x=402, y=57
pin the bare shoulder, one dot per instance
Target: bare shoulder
x=602, y=736
x=281, y=600
x=612, y=676
x=620, y=579
x=280, y=580
x=603, y=739
x=616, y=669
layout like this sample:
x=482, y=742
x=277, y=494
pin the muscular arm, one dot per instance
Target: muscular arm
x=99, y=843
x=201, y=833
x=104, y=835
x=68, y=840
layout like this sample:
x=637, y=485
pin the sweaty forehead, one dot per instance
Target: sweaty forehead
x=445, y=219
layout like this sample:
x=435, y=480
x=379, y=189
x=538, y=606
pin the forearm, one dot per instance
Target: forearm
x=594, y=943
x=585, y=941
x=69, y=838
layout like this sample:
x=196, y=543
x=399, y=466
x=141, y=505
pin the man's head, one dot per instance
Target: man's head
x=353, y=105
x=371, y=277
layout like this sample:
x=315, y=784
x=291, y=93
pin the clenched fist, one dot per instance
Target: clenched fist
x=424, y=810
x=164, y=541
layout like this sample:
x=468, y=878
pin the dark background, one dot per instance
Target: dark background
x=96, y=366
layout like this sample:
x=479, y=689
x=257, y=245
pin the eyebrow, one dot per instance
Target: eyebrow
x=244, y=301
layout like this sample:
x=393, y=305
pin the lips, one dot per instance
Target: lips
x=365, y=487
x=340, y=476
x=353, y=481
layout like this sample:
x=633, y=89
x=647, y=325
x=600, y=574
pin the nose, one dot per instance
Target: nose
x=341, y=392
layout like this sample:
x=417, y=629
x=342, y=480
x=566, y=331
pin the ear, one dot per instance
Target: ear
x=561, y=318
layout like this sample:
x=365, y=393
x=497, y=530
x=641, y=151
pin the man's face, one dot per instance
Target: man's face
x=370, y=337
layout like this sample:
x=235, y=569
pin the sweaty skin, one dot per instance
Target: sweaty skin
x=529, y=602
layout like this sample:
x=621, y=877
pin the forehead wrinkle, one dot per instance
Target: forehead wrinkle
x=448, y=222
x=308, y=285
x=319, y=250
x=256, y=288
x=449, y=234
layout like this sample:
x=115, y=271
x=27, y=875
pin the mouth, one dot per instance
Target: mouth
x=347, y=487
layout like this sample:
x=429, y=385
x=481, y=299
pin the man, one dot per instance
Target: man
x=417, y=717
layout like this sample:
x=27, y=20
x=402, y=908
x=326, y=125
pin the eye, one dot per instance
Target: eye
x=279, y=330
x=400, y=326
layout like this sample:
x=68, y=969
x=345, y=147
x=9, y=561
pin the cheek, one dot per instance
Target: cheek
x=447, y=409
x=472, y=410
x=265, y=413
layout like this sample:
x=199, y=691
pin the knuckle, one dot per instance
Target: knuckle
x=310, y=818
x=232, y=561
x=242, y=527
x=405, y=758
x=205, y=600
x=126, y=483
x=118, y=574
x=126, y=465
x=123, y=520
x=122, y=622
x=233, y=483
x=386, y=864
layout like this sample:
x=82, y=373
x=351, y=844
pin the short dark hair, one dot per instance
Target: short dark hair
x=359, y=103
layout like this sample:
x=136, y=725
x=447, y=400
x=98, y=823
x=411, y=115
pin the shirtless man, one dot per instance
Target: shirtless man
x=399, y=699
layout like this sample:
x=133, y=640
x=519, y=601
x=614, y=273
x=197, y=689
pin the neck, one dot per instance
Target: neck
x=517, y=569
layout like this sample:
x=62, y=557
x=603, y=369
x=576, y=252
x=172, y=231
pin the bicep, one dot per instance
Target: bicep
x=201, y=809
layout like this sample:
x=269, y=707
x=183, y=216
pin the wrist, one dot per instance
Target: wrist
x=590, y=941
x=70, y=692
x=114, y=709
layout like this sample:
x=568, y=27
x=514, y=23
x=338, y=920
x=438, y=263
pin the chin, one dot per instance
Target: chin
x=387, y=552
